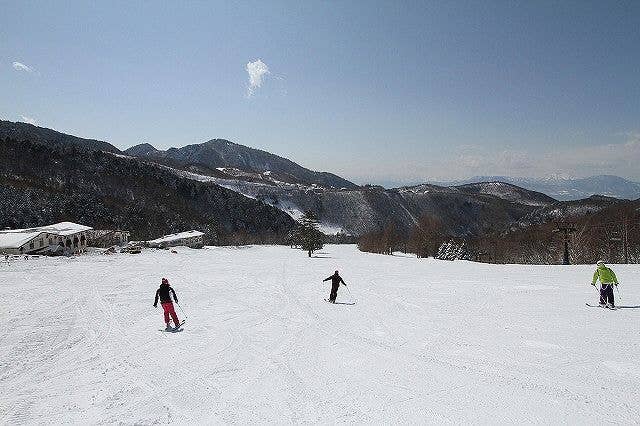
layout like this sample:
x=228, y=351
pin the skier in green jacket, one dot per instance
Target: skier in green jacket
x=607, y=280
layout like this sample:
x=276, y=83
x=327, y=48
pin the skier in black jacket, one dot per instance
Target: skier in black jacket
x=336, y=279
x=164, y=294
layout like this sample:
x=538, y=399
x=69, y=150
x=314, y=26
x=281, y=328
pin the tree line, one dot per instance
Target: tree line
x=424, y=240
x=610, y=236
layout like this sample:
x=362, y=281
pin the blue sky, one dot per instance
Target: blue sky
x=384, y=92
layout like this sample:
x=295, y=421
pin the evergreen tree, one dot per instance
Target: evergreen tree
x=454, y=250
x=308, y=235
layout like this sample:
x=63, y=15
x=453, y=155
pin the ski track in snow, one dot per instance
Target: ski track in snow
x=428, y=341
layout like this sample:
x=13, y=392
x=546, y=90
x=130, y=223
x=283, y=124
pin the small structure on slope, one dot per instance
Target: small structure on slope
x=193, y=239
x=60, y=238
x=108, y=237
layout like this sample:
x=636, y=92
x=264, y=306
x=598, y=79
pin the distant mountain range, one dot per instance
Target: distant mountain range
x=233, y=189
x=467, y=210
x=566, y=189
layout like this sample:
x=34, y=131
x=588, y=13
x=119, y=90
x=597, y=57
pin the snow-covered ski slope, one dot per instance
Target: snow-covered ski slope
x=427, y=342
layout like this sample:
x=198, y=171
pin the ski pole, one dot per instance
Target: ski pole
x=183, y=312
x=350, y=295
x=598, y=291
x=619, y=297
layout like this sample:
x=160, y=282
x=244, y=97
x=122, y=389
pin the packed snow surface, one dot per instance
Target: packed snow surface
x=427, y=342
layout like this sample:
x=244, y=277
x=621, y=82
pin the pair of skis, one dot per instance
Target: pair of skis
x=340, y=303
x=612, y=308
x=176, y=329
x=353, y=301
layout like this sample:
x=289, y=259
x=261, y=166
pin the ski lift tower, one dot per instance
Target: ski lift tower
x=621, y=235
x=616, y=237
x=566, y=229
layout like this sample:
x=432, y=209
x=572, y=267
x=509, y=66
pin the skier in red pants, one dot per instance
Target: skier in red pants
x=164, y=293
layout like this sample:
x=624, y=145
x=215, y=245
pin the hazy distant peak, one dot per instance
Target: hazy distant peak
x=563, y=188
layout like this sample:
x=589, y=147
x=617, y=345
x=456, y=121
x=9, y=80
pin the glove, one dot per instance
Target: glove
x=155, y=306
x=593, y=284
x=616, y=284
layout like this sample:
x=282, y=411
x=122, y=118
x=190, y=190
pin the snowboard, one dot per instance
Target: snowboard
x=615, y=308
x=340, y=303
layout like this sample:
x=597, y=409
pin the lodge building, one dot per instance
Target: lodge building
x=60, y=238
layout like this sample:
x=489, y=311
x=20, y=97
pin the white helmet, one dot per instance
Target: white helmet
x=600, y=263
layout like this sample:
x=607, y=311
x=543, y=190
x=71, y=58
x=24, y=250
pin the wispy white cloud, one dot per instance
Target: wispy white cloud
x=29, y=120
x=256, y=70
x=633, y=139
x=19, y=66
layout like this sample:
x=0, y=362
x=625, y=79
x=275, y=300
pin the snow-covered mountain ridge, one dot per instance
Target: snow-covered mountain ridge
x=48, y=177
x=221, y=153
x=467, y=210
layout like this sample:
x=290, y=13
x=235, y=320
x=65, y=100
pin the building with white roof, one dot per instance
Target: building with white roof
x=193, y=239
x=63, y=237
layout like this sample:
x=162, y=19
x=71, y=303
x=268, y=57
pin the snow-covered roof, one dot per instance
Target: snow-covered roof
x=65, y=228
x=14, y=238
x=178, y=236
